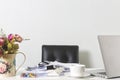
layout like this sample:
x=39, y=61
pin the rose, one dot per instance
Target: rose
x=3, y=68
x=10, y=37
x=18, y=38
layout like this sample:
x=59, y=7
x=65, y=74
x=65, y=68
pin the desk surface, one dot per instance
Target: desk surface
x=17, y=77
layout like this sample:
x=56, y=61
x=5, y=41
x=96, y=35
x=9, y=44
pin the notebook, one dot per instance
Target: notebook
x=110, y=50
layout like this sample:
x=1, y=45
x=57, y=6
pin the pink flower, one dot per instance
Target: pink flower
x=18, y=38
x=3, y=68
x=10, y=37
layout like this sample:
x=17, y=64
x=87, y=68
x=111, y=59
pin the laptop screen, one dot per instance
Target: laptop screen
x=110, y=50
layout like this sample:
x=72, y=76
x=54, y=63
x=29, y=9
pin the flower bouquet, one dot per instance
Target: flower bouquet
x=9, y=44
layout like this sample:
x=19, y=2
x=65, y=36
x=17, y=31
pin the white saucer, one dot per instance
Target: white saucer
x=85, y=75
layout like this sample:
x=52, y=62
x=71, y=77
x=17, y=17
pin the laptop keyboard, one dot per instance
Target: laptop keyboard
x=99, y=74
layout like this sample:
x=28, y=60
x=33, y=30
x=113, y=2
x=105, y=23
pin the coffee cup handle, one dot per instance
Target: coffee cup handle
x=23, y=60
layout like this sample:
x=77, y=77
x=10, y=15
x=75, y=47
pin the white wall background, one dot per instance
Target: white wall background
x=61, y=22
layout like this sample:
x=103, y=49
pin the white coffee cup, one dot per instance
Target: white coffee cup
x=77, y=70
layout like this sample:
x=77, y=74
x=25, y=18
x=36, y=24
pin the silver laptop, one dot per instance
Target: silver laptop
x=110, y=50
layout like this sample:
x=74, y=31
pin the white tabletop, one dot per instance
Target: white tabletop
x=18, y=77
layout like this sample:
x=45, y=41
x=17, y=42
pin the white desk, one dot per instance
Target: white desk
x=17, y=77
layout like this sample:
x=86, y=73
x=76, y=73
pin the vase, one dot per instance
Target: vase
x=8, y=64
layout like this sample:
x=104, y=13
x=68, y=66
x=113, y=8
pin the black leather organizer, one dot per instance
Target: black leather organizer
x=60, y=53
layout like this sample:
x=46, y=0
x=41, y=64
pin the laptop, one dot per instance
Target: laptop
x=110, y=50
